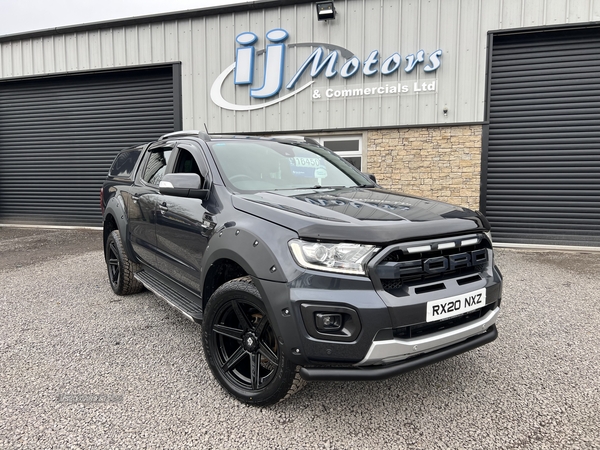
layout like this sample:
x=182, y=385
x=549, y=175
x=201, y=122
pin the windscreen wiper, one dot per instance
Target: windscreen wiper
x=315, y=187
x=318, y=186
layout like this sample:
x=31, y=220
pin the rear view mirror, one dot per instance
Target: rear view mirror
x=183, y=185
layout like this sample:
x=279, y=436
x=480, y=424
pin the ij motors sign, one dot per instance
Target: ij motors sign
x=337, y=63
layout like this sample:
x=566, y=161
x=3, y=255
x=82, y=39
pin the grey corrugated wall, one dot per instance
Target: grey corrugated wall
x=205, y=45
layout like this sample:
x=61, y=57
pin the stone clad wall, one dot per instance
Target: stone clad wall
x=441, y=163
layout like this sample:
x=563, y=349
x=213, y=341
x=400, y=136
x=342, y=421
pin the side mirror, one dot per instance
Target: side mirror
x=371, y=177
x=183, y=185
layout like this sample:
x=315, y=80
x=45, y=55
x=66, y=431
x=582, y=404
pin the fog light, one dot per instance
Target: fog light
x=328, y=322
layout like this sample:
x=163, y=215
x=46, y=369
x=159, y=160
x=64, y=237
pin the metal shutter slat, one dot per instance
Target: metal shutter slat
x=59, y=135
x=543, y=148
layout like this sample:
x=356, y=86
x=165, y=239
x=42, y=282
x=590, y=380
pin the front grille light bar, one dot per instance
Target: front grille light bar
x=443, y=245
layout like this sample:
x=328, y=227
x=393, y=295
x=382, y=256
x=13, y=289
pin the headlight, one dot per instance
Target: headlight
x=342, y=258
x=489, y=236
x=486, y=224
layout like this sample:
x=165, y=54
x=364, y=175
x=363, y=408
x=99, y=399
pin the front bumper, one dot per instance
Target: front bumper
x=382, y=372
x=391, y=333
x=392, y=350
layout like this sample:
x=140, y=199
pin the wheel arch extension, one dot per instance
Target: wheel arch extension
x=109, y=225
x=240, y=250
x=115, y=219
x=220, y=272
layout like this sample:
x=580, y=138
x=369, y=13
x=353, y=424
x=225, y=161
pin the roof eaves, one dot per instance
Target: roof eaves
x=154, y=18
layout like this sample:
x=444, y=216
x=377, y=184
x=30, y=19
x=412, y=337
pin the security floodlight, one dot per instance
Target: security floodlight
x=325, y=11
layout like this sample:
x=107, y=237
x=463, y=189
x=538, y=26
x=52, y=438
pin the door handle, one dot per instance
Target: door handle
x=163, y=207
x=135, y=198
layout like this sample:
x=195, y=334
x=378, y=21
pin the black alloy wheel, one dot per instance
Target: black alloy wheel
x=121, y=269
x=114, y=264
x=242, y=347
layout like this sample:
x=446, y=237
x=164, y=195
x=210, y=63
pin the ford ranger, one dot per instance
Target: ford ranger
x=298, y=266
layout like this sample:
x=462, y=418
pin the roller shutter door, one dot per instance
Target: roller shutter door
x=542, y=183
x=59, y=135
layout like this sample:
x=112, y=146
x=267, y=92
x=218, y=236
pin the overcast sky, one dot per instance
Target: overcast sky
x=18, y=16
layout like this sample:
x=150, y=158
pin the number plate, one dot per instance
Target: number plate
x=454, y=306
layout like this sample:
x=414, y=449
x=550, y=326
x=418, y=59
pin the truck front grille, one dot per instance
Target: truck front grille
x=428, y=262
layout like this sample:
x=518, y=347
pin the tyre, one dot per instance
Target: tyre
x=242, y=348
x=121, y=270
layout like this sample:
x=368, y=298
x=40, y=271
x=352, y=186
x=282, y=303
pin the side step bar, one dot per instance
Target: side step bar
x=187, y=307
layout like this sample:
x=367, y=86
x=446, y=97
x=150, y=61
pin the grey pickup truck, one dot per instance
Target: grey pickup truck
x=298, y=266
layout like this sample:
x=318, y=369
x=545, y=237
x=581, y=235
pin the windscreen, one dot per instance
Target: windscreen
x=270, y=165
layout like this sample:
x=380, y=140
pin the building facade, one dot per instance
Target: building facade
x=489, y=104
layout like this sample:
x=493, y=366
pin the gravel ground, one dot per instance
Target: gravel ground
x=83, y=368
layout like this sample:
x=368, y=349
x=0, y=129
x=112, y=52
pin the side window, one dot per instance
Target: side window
x=156, y=166
x=124, y=163
x=186, y=163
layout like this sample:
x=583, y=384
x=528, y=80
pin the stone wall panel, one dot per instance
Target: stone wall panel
x=439, y=163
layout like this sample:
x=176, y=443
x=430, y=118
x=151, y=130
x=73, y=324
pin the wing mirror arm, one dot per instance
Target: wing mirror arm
x=371, y=177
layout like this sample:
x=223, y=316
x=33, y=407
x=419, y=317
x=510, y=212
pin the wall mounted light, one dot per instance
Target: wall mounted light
x=325, y=11
x=445, y=111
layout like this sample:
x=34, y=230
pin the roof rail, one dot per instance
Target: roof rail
x=201, y=134
x=293, y=138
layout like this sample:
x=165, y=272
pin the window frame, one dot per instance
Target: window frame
x=168, y=167
x=321, y=139
x=198, y=157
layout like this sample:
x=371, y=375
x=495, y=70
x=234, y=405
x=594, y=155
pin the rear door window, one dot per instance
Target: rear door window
x=124, y=163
